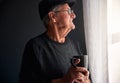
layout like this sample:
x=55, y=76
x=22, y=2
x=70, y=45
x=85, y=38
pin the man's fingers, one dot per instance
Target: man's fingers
x=77, y=61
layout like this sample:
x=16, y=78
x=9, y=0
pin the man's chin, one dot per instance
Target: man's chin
x=73, y=27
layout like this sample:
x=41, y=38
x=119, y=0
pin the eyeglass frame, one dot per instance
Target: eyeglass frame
x=70, y=11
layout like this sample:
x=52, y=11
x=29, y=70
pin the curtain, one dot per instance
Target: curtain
x=95, y=24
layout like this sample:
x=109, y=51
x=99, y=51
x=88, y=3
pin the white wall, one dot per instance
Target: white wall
x=114, y=40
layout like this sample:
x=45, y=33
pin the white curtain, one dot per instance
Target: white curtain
x=95, y=23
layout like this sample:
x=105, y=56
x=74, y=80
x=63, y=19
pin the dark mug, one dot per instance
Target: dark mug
x=83, y=61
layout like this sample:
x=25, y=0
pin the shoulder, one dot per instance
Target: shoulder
x=34, y=46
x=36, y=43
x=36, y=40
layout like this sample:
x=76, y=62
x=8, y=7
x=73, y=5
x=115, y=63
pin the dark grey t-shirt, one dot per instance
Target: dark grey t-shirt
x=45, y=59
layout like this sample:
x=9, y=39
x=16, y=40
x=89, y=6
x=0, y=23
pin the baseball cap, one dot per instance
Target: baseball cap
x=46, y=5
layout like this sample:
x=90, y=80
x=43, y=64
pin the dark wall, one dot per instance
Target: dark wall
x=19, y=21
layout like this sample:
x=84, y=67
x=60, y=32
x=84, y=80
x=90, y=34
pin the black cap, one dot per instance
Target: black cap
x=46, y=5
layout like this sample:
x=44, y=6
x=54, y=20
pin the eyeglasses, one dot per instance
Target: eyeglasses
x=70, y=11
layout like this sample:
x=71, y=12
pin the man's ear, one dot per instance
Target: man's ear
x=52, y=16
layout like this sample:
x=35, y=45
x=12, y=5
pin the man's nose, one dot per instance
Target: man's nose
x=73, y=15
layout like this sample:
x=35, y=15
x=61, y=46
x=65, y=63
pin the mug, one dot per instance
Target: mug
x=83, y=61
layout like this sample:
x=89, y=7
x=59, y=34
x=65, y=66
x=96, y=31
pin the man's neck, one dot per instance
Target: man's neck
x=55, y=36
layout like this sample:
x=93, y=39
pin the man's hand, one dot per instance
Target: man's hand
x=75, y=75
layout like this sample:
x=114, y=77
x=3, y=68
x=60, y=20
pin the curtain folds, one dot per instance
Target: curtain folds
x=95, y=23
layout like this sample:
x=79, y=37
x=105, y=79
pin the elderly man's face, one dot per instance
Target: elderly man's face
x=64, y=18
